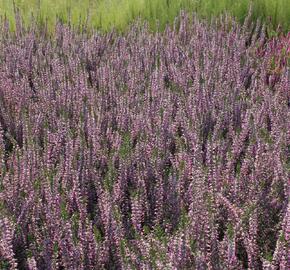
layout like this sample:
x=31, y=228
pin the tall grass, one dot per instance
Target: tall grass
x=104, y=15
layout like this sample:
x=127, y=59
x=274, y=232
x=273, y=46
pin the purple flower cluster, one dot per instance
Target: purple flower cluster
x=144, y=150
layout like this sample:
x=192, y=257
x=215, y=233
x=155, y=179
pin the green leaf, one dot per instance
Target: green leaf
x=146, y=229
x=160, y=233
x=268, y=256
x=230, y=231
x=97, y=234
x=63, y=211
x=193, y=245
x=4, y=264
x=110, y=177
x=126, y=146
x=123, y=248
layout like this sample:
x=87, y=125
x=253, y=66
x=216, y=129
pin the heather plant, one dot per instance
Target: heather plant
x=279, y=49
x=166, y=150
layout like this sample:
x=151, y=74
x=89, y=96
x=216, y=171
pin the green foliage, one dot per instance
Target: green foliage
x=75, y=226
x=248, y=211
x=30, y=238
x=29, y=254
x=97, y=234
x=63, y=210
x=37, y=184
x=156, y=255
x=230, y=231
x=153, y=257
x=55, y=248
x=4, y=264
x=268, y=256
x=23, y=194
x=168, y=171
x=265, y=135
x=184, y=219
x=106, y=14
x=288, y=158
x=117, y=214
x=50, y=174
x=146, y=229
x=110, y=177
x=282, y=237
x=193, y=245
x=123, y=248
x=160, y=234
x=126, y=146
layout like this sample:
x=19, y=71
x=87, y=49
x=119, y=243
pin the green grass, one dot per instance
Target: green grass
x=105, y=14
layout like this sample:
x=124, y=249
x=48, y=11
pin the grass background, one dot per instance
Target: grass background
x=105, y=14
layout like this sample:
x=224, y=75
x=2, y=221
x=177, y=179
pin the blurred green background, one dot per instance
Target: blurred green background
x=105, y=14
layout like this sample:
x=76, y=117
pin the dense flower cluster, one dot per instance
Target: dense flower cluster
x=278, y=52
x=144, y=150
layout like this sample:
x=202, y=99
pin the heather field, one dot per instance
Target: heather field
x=165, y=150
